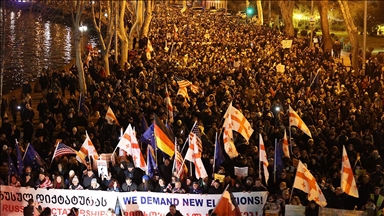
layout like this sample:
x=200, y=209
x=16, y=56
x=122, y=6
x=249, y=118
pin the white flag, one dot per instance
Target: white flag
x=263, y=158
x=348, y=183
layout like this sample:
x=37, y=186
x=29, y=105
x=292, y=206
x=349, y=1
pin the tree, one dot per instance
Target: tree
x=76, y=14
x=122, y=33
x=286, y=8
x=260, y=12
x=105, y=40
x=140, y=28
x=323, y=10
x=352, y=32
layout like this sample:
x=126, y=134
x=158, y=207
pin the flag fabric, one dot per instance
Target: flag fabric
x=32, y=158
x=239, y=123
x=88, y=149
x=183, y=9
x=151, y=163
x=126, y=141
x=136, y=154
x=144, y=124
x=149, y=49
x=19, y=159
x=183, y=92
x=227, y=205
x=175, y=30
x=285, y=145
x=82, y=106
x=219, y=155
x=263, y=158
x=196, y=131
x=305, y=181
x=169, y=106
x=348, y=183
x=194, y=155
x=62, y=149
x=194, y=88
x=11, y=167
x=295, y=120
x=148, y=136
x=110, y=117
x=163, y=139
x=229, y=145
x=279, y=159
x=180, y=167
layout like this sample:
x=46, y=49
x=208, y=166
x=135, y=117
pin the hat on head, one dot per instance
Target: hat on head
x=94, y=180
x=130, y=165
x=145, y=177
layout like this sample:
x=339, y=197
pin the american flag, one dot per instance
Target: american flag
x=196, y=130
x=62, y=149
x=182, y=82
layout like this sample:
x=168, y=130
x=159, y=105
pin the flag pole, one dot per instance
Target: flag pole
x=290, y=137
x=54, y=153
x=188, y=136
x=26, y=150
x=226, y=188
x=214, y=157
x=260, y=137
x=174, y=158
x=274, y=162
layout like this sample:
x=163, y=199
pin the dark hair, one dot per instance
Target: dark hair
x=172, y=205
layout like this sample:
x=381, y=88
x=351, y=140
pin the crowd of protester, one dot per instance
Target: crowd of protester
x=230, y=61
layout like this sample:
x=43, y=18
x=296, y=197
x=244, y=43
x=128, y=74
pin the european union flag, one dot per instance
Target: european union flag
x=279, y=159
x=151, y=161
x=20, y=163
x=219, y=159
x=33, y=159
x=149, y=137
x=144, y=124
x=82, y=107
x=11, y=167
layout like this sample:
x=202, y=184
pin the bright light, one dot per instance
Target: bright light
x=298, y=16
x=277, y=108
x=106, y=14
x=83, y=28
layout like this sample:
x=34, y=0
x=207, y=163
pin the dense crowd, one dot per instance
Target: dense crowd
x=230, y=61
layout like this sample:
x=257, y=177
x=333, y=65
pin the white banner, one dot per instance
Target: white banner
x=294, y=210
x=13, y=200
x=337, y=212
x=102, y=168
x=144, y=203
x=241, y=171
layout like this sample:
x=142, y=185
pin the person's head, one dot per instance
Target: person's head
x=13, y=179
x=59, y=179
x=128, y=180
x=75, y=180
x=94, y=183
x=258, y=182
x=31, y=201
x=172, y=209
x=177, y=184
x=89, y=173
x=312, y=204
x=295, y=201
x=161, y=182
x=130, y=167
x=41, y=176
x=249, y=181
x=377, y=190
x=110, y=212
x=216, y=183
x=283, y=185
x=195, y=185
x=145, y=178
x=338, y=191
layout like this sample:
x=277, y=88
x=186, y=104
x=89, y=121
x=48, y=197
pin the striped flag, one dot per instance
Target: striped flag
x=183, y=92
x=196, y=131
x=180, y=167
x=229, y=145
x=263, y=158
x=88, y=148
x=194, y=155
x=305, y=182
x=110, y=117
x=169, y=105
x=295, y=120
x=163, y=139
x=227, y=205
x=285, y=145
x=239, y=123
x=62, y=149
x=348, y=182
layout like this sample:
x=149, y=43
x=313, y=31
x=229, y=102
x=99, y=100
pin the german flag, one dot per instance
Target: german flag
x=163, y=139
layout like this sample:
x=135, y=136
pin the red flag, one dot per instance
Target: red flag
x=227, y=205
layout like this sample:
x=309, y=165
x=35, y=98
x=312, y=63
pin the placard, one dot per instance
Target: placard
x=144, y=203
x=287, y=44
x=14, y=199
x=337, y=212
x=102, y=168
x=294, y=210
x=280, y=68
x=241, y=171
